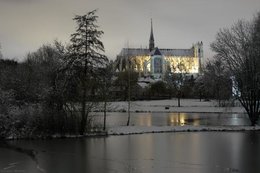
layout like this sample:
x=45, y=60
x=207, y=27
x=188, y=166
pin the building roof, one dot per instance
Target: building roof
x=134, y=52
x=165, y=52
x=177, y=52
x=156, y=51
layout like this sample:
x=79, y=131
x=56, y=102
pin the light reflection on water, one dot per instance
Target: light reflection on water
x=173, y=119
x=176, y=119
x=145, y=120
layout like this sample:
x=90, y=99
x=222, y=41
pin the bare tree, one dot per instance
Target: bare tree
x=239, y=48
x=106, y=75
x=127, y=81
x=179, y=79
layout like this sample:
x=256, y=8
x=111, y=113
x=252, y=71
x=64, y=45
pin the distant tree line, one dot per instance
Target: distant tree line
x=204, y=87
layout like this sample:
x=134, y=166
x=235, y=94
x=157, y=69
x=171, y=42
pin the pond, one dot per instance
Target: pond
x=183, y=152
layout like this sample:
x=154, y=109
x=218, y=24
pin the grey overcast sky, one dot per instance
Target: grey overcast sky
x=27, y=24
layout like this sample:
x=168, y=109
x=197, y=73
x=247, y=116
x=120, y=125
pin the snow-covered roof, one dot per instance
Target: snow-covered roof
x=177, y=52
x=134, y=51
x=165, y=52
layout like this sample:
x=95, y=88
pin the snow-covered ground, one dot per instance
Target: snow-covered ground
x=187, y=105
x=126, y=130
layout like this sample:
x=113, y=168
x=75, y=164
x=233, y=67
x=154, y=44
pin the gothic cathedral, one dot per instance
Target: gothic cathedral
x=155, y=62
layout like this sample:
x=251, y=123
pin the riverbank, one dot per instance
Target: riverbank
x=131, y=130
x=128, y=130
x=166, y=123
x=187, y=106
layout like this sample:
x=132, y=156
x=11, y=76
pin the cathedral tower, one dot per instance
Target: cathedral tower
x=151, y=40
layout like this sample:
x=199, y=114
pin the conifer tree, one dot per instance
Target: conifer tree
x=86, y=56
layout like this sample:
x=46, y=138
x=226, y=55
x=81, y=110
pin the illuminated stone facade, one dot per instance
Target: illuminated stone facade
x=156, y=62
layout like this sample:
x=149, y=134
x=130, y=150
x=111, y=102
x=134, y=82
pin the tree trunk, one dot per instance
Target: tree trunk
x=105, y=111
x=129, y=97
x=179, y=99
x=83, y=113
x=105, y=116
x=253, y=118
x=128, y=111
x=83, y=102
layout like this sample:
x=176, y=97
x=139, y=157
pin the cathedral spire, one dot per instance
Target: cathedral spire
x=151, y=40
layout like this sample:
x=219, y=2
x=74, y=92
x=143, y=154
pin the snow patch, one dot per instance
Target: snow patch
x=187, y=106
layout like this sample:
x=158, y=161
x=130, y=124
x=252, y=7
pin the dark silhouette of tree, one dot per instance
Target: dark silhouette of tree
x=216, y=80
x=123, y=83
x=199, y=88
x=127, y=81
x=105, y=84
x=239, y=48
x=39, y=85
x=158, y=88
x=85, y=57
x=31, y=84
x=179, y=80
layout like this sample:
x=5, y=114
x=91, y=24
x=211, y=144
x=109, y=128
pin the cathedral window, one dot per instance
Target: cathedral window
x=157, y=65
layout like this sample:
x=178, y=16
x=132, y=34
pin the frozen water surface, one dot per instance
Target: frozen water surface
x=183, y=152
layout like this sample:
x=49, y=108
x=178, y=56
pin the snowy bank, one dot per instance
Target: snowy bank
x=127, y=130
x=187, y=106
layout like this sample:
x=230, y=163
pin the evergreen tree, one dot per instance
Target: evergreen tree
x=86, y=56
